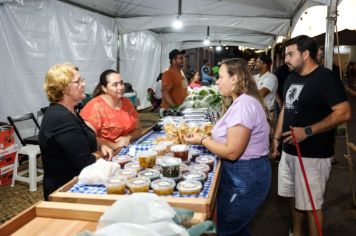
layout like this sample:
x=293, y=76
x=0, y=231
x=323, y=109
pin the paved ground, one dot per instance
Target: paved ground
x=272, y=218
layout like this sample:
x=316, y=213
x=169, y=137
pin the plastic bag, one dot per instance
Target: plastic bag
x=142, y=209
x=98, y=172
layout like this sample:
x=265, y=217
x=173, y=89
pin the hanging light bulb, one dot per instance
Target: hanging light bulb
x=206, y=41
x=218, y=48
x=177, y=24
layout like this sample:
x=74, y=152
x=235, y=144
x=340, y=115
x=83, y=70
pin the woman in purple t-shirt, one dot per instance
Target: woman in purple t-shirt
x=241, y=139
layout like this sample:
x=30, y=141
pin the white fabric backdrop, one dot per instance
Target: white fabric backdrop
x=40, y=33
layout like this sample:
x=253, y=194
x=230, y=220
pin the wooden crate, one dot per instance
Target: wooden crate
x=203, y=207
x=54, y=218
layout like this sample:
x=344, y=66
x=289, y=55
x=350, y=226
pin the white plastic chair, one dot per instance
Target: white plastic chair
x=31, y=151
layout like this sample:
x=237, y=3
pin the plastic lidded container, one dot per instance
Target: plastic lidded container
x=199, y=167
x=134, y=165
x=138, y=184
x=152, y=174
x=127, y=173
x=160, y=148
x=199, y=176
x=167, y=144
x=122, y=160
x=163, y=186
x=158, y=167
x=206, y=159
x=147, y=159
x=115, y=185
x=183, y=168
x=181, y=151
x=170, y=167
x=194, y=153
x=187, y=187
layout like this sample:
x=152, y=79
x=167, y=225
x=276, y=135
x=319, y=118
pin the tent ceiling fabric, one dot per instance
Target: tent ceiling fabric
x=252, y=22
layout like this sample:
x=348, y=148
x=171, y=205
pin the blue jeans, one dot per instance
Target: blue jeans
x=244, y=185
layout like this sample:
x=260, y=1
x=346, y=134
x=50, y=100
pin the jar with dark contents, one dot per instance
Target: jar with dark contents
x=181, y=151
x=170, y=167
x=122, y=160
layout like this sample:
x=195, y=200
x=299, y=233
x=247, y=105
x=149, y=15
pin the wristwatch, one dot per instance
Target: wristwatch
x=308, y=131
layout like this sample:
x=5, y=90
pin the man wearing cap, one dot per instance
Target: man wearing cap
x=267, y=82
x=174, y=83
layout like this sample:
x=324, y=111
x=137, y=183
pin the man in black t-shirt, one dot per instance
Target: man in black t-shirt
x=315, y=104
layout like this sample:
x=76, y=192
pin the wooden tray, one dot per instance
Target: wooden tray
x=54, y=218
x=203, y=207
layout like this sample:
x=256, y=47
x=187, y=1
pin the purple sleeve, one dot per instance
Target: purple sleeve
x=242, y=113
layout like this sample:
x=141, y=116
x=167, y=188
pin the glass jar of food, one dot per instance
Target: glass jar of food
x=170, y=167
x=163, y=186
x=147, y=159
x=199, y=176
x=181, y=151
x=115, y=185
x=206, y=159
x=134, y=165
x=187, y=187
x=138, y=184
x=152, y=174
x=122, y=160
x=160, y=149
x=199, y=167
x=127, y=173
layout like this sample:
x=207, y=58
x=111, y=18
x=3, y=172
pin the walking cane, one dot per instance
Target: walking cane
x=316, y=218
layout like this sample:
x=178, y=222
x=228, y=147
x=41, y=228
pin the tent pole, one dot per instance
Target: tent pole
x=329, y=35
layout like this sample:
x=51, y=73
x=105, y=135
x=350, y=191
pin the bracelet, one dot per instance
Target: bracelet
x=278, y=139
x=201, y=140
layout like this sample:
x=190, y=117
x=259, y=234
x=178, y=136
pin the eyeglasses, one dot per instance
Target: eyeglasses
x=79, y=81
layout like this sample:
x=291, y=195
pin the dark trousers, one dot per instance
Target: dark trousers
x=244, y=185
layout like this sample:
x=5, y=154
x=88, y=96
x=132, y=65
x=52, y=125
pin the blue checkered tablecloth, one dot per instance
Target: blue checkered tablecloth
x=145, y=143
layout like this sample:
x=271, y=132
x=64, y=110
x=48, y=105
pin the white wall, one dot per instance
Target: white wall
x=40, y=33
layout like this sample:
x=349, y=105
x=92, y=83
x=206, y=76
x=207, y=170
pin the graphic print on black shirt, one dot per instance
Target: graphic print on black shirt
x=292, y=96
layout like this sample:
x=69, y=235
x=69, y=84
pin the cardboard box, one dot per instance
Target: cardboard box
x=7, y=159
x=6, y=177
x=6, y=168
x=7, y=137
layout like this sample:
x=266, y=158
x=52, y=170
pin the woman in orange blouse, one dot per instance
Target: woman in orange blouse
x=111, y=115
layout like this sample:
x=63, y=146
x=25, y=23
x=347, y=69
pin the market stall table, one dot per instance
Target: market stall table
x=201, y=204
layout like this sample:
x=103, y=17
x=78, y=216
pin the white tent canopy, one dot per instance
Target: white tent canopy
x=36, y=34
